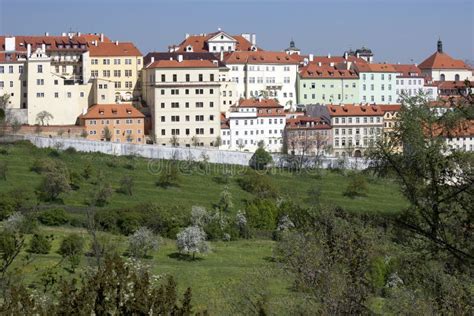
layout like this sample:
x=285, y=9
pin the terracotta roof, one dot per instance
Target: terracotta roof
x=374, y=67
x=224, y=121
x=313, y=70
x=157, y=56
x=452, y=85
x=355, y=110
x=114, y=49
x=259, y=57
x=111, y=111
x=183, y=64
x=263, y=103
x=407, y=70
x=390, y=107
x=307, y=122
x=77, y=43
x=199, y=42
x=464, y=129
x=442, y=61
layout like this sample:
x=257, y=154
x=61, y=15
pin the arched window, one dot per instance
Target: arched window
x=442, y=77
x=456, y=77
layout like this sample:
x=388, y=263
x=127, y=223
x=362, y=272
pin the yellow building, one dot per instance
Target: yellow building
x=120, y=64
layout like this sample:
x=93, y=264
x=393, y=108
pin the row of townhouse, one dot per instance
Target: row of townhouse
x=184, y=91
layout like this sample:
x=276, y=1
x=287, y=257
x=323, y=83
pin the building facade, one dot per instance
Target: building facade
x=329, y=83
x=120, y=123
x=264, y=74
x=185, y=97
x=254, y=121
x=377, y=83
x=305, y=135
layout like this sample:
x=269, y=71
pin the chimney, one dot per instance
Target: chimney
x=152, y=59
x=218, y=29
x=63, y=34
x=43, y=47
x=46, y=34
x=254, y=39
x=28, y=50
x=180, y=58
x=320, y=64
x=116, y=43
x=311, y=57
x=96, y=43
x=346, y=55
x=78, y=33
x=101, y=37
x=331, y=64
x=349, y=64
x=222, y=55
x=329, y=55
x=186, y=36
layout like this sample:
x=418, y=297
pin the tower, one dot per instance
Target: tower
x=440, y=46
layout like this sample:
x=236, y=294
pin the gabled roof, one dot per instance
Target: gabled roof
x=442, y=61
x=314, y=71
x=199, y=42
x=259, y=57
x=360, y=67
x=114, y=49
x=355, y=110
x=407, y=70
x=112, y=111
x=306, y=122
x=156, y=56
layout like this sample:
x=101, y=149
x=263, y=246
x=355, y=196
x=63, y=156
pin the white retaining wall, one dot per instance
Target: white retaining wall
x=164, y=152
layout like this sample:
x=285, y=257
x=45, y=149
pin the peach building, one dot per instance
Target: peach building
x=121, y=123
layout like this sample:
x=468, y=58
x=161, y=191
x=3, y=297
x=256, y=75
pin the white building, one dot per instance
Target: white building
x=262, y=73
x=442, y=67
x=411, y=82
x=252, y=121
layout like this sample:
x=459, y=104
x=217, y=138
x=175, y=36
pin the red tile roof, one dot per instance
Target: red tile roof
x=259, y=57
x=453, y=85
x=306, y=122
x=390, y=107
x=224, y=121
x=407, y=70
x=313, y=70
x=442, y=61
x=183, y=64
x=111, y=111
x=375, y=67
x=114, y=49
x=355, y=110
x=464, y=129
x=259, y=103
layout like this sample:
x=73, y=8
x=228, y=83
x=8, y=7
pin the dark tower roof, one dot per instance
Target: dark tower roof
x=440, y=46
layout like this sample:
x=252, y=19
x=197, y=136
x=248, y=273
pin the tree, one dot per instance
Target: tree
x=71, y=249
x=142, y=242
x=53, y=217
x=199, y=216
x=169, y=176
x=107, y=134
x=174, y=141
x=436, y=179
x=357, y=185
x=16, y=126
x=218, y=141
x=126, y=185
x=241, y=223
x=195, y=141
x=43, y=118
x=192, y=240
x=54, y=183
x=261, y=158
x=102, y=194
x=39, y=244
x=225, y=203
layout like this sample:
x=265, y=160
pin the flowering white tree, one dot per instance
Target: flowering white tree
x=142, y=242
x=192, y=240
x=199, y=216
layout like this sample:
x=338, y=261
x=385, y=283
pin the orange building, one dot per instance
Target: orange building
x=121, y=123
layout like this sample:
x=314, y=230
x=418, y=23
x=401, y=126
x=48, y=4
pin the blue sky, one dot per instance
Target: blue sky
x=396, y=31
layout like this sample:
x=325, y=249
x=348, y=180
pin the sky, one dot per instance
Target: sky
x=396, y=31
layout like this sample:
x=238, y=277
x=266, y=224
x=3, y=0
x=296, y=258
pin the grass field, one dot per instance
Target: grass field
x=195, y=187
x=231, y=266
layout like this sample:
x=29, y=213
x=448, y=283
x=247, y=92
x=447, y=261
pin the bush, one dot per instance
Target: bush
x=126, y=185
x=261, y=159
x=3, y=151
x=53, y=217
x=42, y=165
x=169, y=176
x=357, y=186
x=262, y=214
x=72, y=248
x=258, y=184
x=3, y=170
x=70, y=150
x=39, y=244
x=102, y=195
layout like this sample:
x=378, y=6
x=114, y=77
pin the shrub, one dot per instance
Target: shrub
x=261, y=159
x=3, y=151
x=70, y=150
x=42, y=165
x=102, y=195
x=54, y=184
x=258, y=184
x=3, y=170
x=53, y=217
x=169, y=176
x=39, y=244
x=357, y=185
x=126, y=185
x=71, y=248
x=262, y=214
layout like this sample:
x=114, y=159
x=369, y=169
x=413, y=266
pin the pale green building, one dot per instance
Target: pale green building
x=326, y=84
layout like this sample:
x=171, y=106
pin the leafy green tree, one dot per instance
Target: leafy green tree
x=258, y=184
x=71, y=249
x=436, y=179
x=39, y=244
x=357, y=185
x=261, y=159
x=54, y=184
x=53, y=217
x=107, y=134
x=169, y=176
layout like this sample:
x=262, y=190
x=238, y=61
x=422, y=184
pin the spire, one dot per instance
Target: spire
x=292, y=43
x=440, y=46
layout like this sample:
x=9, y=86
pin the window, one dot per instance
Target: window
x=211, y=104
x=106, y=73
x=118, y=85
x=212, y=77
x=40, y=82
x=286, y=80
x=106, y=61
x=175, y=105
x=199, y=104
x=456, y=77
x=174, y=118
x=188, y=78
x=69, y=94
x=199, y=118
x=128, y=61
x=40, y=69
x=2, y=69
x=128, y=73
x=442, y=77
x=20, y=69
x=201, y=77
x=40, y=94
x=116, y=73
x=163, y=78
x=10, y=69
x=175, y=77
x=56, y=95
x=199, y=131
